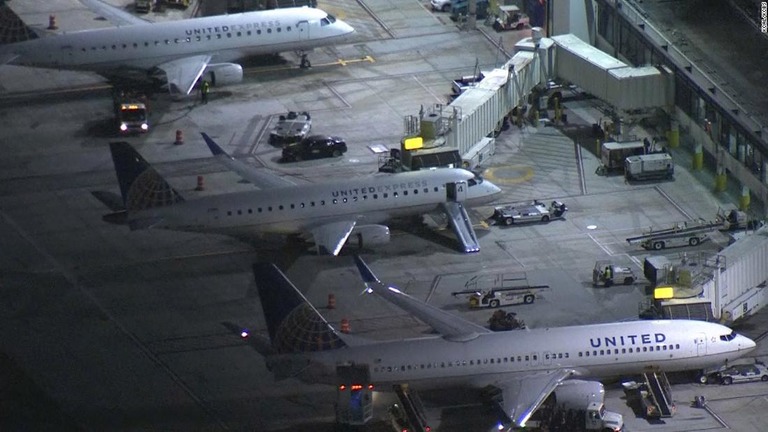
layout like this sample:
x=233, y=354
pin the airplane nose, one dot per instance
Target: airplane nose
x=748, y=344
x=495, y=190
x=347, y=29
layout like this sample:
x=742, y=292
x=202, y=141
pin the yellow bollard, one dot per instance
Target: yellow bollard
x=698, y=157
x=721, y=179
x=744, y=199
x=673, y=135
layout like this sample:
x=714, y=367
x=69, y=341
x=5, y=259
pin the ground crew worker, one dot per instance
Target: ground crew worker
x=204, y=89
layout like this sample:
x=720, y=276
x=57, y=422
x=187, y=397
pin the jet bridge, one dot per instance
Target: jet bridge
x=625, y=88
x=478, y=114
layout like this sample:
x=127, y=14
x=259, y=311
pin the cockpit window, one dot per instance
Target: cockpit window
x=471, y=182
x=729, y=337
x=328, y=20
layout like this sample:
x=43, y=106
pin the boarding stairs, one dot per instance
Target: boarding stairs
x=660, y=392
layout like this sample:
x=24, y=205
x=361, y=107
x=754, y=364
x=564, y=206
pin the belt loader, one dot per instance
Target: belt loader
x=492, y=291
x=689, y=233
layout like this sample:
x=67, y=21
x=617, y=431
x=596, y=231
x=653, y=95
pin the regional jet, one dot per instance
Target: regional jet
x=526, y=365
x=180, y=52
x=328, y=213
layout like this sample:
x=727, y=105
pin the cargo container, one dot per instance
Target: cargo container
x=613, y=154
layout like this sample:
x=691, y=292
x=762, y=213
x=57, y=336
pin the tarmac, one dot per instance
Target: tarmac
x=106, y=329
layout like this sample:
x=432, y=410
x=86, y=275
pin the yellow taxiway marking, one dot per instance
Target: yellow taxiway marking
x=509, y=174
x=342, y=62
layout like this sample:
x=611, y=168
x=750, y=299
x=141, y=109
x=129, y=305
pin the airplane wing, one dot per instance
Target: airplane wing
x=114, y=15
x=333, y=235
x=7, y=58
x=522, y=396
x=260, y=178
x=447, y=324
x=183, y=73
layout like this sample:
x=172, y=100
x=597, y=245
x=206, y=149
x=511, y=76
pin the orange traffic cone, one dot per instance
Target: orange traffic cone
x=179, y=137
x=344, y=325
x=200, y=185
x=331, y=301
x=52, y=22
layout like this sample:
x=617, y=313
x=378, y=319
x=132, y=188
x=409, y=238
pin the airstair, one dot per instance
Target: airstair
x=412, y=408
x=462, y=226
x=660, y=392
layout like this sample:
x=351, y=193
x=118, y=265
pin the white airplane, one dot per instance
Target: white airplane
x=181, y=51
x=327, y=213
x=526, y=365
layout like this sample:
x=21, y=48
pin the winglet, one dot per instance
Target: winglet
x=365, y=271
x=215, y=148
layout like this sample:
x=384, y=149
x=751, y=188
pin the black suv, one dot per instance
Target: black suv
x=315, y=146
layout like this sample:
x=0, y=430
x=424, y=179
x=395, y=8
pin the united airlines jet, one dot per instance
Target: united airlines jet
x=526, y=365
x=327, y=213
x=180, y=52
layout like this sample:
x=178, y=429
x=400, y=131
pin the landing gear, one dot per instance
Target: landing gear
x=305, y=64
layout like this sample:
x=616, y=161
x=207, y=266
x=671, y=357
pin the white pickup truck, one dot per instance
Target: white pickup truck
x=533, y=212
x=291, y=127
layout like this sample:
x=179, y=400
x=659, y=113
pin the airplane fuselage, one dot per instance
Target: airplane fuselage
x=366, y=200
x=597, y=351
x=225, y=37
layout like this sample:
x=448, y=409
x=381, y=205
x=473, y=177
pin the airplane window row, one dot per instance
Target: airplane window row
x=197, y=38
x=520, y=358
x=629, y=350
x=322, y=202
x=478, y=362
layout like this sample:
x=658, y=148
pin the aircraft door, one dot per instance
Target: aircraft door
x=701, y=344
x=548, y=357
x=65, y=56
x=213, y=216
x=456, y=192
x=303, y=29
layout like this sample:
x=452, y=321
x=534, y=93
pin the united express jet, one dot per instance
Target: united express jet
x=526, y=365
x=327, y=213
x=180, y=52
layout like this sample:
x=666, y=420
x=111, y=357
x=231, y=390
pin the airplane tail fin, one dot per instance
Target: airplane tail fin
x=294, y=325
x=13, y=28
x=141, y=186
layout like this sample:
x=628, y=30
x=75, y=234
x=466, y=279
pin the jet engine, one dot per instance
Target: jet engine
x=220, y=74
x=577, y=394
x=369, y=235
